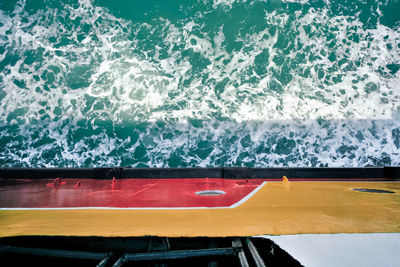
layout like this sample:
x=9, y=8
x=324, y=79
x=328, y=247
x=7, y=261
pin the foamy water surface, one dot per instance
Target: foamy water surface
x=199, y=83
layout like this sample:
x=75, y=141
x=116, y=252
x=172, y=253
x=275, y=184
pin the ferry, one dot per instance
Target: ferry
x=227, y=216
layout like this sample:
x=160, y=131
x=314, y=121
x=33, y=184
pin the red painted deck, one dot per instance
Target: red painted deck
x=125, y=193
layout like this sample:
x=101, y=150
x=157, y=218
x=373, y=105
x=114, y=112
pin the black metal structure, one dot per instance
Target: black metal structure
x=143, y=251
x=375, y=173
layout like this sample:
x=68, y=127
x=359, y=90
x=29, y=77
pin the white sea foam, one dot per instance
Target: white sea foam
x=99, y=71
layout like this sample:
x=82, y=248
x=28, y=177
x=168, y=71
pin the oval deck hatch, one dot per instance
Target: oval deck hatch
x=210, y=193
x=370, y=190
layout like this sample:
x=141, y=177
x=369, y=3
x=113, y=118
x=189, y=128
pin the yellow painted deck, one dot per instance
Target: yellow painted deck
x=278, y=208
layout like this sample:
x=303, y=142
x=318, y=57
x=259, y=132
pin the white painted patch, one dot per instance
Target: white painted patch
x=333, y=250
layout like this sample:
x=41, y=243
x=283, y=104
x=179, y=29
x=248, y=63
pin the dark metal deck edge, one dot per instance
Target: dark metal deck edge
x=367, y=173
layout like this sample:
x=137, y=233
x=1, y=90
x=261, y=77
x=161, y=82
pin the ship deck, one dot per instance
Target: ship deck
x=176, y=207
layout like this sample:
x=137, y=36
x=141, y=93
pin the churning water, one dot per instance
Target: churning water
x=199, y=83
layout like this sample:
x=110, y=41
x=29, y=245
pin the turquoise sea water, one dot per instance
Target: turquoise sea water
x=199, y=83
